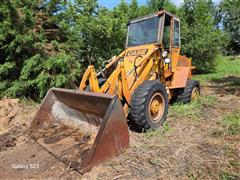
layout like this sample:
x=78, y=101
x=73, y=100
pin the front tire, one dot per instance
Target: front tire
x=149, y=106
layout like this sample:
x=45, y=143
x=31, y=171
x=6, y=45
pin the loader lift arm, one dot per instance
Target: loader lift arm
x=117, y=82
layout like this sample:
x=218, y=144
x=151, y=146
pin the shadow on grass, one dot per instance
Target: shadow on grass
x=229, y=80
x=229, y=85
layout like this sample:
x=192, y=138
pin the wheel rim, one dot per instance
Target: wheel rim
x=156, y=107
x=195, y=93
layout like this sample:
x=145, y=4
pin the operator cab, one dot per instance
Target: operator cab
x=162, y=29
x=154, y=29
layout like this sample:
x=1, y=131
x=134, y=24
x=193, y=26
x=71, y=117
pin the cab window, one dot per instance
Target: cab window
x=176, y=34
x=166, y=32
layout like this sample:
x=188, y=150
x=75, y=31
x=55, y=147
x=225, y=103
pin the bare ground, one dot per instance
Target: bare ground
x=185, y=148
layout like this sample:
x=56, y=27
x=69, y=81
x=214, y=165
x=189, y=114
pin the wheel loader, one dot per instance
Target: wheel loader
x=86, y=126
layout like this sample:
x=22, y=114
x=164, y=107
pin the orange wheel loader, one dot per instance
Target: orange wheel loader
x=89, y=125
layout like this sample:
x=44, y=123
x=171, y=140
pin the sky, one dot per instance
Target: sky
x=111, y=3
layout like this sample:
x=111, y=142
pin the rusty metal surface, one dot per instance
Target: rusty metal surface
x=82, y=129
x=184, y=61
x=180, y=77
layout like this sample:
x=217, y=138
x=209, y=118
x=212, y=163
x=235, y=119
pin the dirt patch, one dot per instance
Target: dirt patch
x=6, y=141
x=12, y=137
x=13, y=114
x=14, y=122
x=23, y=152
x=69, y=143
x=8, y=110
x=32, y=161
x=58, y=132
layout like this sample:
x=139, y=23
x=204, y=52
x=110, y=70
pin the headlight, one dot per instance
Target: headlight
x=167, y=60
x=164, y=54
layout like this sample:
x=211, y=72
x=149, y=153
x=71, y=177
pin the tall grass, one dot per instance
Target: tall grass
x=224, y=67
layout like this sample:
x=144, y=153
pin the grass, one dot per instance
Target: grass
x=166, y=128
x=231, y=122
x=234, y=163
x=228, y=176
x=192, y=110
x=225, y=67
x=28, y=102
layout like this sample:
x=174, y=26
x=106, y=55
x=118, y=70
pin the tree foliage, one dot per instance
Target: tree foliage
x=229, y=18
x=156, y=5
x=201, y=40
x=33, y=57
x=46, y=43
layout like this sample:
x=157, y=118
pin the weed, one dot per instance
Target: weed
x=207, y=100
x=153, y=133
x=192, y=110
x=228, y=176
x=166, y=128
x=231, y=122
x=192, y=177
x=234, y=163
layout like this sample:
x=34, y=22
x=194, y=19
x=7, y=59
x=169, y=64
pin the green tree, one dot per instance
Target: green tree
x=229, y=11
x=156, y=5
x=33, y=57
x=133, y=9
x=201, y=40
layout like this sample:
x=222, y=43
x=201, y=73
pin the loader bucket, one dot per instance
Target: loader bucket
x=80, y=128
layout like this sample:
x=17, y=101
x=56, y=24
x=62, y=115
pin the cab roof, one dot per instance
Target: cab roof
x=158, y=13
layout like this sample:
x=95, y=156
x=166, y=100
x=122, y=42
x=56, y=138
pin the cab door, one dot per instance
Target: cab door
x=175, y=42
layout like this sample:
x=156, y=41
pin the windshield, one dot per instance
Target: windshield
x=143, y=32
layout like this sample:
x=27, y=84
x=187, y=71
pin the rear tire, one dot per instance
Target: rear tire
x=149, y=106
x=190, y=92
